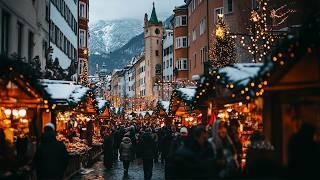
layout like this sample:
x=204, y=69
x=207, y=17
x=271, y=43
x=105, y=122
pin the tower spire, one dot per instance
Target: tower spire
x=153, y=17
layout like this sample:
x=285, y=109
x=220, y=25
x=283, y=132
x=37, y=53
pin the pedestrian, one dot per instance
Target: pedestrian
x=303, y=153
x=51, y=158
x=225, y=151
x=147, y=152
x=7, y=158
x=260, y=156
x=126, y=153
x=194, y=159
x=108, y=150
x=156, y=140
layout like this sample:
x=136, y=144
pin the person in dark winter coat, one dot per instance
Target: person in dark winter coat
x=147, y=152
x=126, y=153
x=51, y=158
x=303, y=154
x=7, y=158
x=108, y=150
x=260, y=156
x=194, y=160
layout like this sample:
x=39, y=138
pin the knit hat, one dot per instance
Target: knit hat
x=50, y=125
x=184, y=131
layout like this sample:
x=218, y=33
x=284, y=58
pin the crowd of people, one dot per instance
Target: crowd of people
x=199, y=152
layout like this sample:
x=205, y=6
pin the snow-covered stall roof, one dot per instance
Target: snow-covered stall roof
x=64, y=92
x=239, y=74
x=102, y=104
x=187, y=93
x=165, y=105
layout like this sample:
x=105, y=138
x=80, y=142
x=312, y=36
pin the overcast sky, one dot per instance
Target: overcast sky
x=121, y=9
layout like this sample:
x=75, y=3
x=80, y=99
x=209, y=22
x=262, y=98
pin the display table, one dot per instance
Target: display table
x=74, y=165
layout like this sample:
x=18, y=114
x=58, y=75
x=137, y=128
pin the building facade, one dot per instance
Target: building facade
x=180, y=33
x=167, y=59
x=24, y=30
x=83, y=37
x=153, y=34
x=64, y=32
x=198, y=36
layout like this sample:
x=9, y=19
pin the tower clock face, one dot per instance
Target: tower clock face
x=157, y=31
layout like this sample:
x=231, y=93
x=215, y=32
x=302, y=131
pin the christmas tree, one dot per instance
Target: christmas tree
x=223, y=49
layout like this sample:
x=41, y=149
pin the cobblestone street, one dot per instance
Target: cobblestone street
x=135, y=172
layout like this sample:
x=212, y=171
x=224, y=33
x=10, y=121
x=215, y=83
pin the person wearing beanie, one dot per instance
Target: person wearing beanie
x=51, y=158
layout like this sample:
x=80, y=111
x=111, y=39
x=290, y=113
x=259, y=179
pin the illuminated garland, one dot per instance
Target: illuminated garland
x=223, y=49
x=84, y=76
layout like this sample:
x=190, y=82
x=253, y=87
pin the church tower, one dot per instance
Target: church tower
x=153, y=34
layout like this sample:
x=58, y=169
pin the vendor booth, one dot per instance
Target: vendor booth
x=76, y=120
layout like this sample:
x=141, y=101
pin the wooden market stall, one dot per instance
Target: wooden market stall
x=227, y=92
x=182, y=109
x=75, y=115
x=23, y=109
x=291, y=87
x=23, y=101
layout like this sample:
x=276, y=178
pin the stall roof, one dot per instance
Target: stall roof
x=187, y=93
x=165, y=105
x=64, y=92
x=239, y=74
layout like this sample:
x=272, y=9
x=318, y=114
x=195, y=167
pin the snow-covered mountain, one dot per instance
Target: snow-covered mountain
x=107, y=36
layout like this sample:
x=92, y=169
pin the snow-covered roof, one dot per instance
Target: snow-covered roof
x=101, y=103
x=240, y=74
x=165, y=105
x=187, y=93
x=63, y=92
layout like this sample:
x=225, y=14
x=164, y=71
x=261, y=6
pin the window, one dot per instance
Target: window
x=167, y=63
x=217, y=11
x=47, y=13
x=194, y=34
x=157, y=53
x=56, y=35
x=157, y=41
x=203, y=54
x=5, y=33
x=30, y=46
x=61, y=40
x=82, y=11
x=181, y=21
x=170, y=62
x=65, y=45
x=202, y=26
x=164, y=64
x=170, y=49
x=20, y=37
x=184, y=42
x=82, y=39
x=228, y=4
x=182, y=64
x=194, y=3
x=181, y=42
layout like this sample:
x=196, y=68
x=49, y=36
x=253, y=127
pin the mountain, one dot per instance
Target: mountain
x=107, y=36
x=118, y=58
x=116, y=42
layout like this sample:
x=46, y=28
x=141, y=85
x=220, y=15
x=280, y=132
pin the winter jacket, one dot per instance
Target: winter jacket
x=126, y=149
x=147, y=146
x=51, y=158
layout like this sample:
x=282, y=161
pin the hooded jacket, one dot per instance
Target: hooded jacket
x=126, y=149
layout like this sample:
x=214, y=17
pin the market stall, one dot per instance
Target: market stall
x=291, y=87
x=23, y=106
x=181, y=108
x=75, y=117
x=228, y=93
